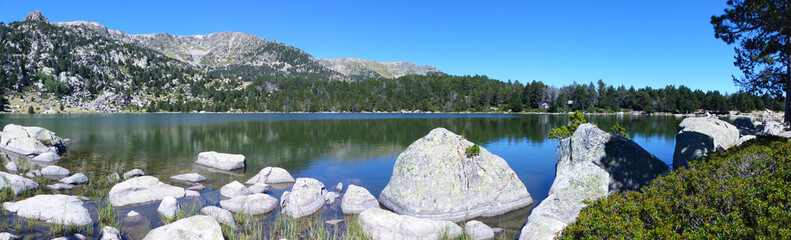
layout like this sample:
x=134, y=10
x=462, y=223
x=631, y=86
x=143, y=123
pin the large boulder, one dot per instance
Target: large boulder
x=434, y=179
x=592, y=164
x=198, y=227
x=357, y=199
x=305, y=198
x=385, y=225
x=253, y=204
x=745, y=125
x=55, y=209
x=222, y=161
x=271, y=175
x=142, y=190
x=699, y=136
x=30, y=140
x=17, y=183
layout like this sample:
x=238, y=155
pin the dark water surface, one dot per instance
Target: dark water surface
x=358, y=149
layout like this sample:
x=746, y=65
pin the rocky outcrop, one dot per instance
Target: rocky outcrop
x=305, y=198
x=699, y=136
x=434, y=179
x=36, y=16
x=221, y=215
x=17, y=183
x=253, y=204
x=385, y=225
x=30, y=140
x=198, y=227
x=142, y=190
x=189, y=177
x=222, y=161
x=56, y=209
x=169, y=207
x=357, y=199
x=271, y=175
x=592, y=164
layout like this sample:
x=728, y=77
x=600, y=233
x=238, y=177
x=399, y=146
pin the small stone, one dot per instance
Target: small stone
x=478, y=230
x=134, y=173
x=222, y=161
x=78, y=178
x=270, y=175
x=46, y=157
x=330, y=197
x=169, y=207
x=234, y=189
x=259, y=188
x=11, y=167
x=357, y=199
x=189, y=177
x=34, y=174
x=334, y=221
x=339, y=187
x=196, y=187
x=55, y=171
x=190, y=193
x=60, y=186
x=114, y=176
x=110, y=233
x=7, y=236
x=221, y=215
x=132, y=214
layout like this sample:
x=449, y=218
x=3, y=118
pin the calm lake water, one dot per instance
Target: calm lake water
x=358, y=149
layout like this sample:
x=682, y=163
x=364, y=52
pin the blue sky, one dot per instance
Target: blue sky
x=640, y=43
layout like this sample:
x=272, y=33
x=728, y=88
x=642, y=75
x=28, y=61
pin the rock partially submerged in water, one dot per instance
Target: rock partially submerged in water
x=271, y=175
x=434, y=179
x=58, y=209
x=7, y=236
x=253, y=204
x=198, y=227
x=142, y=190
x=110, y=233
x=222, y=161
x=17, y=183
x=221, y=215
x=60, y=186
x=46, y=157
x=134, y=173
x=169, y=207
x=234, y=189
x=78, y=178
x=357, y=199
x=259, y=188
x=30, y=140
x=699, y=136
x=478, y=230
x=592, y=164
x=385, y=225
x=189, y=177
x=305, y=198
x=55, y=171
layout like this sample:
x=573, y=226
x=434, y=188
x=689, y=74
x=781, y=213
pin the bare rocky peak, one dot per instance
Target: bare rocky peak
x=36, y=16
x=356, y=66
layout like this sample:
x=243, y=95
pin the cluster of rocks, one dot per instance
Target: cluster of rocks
x=38, y=143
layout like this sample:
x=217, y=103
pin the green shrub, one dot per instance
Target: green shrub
x=739, y=194
x=576, y=119
x=619, y=131
x=473, y=151
x=30, y=110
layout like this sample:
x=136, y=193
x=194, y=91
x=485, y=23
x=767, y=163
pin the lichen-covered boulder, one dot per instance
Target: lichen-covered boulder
x=142, y=190
x=57, y=209
x=699, y=136
x=385, y=225
x=434, y=179
x=198, y=227
x=305, y=198
x=592, y=164
x=222, y=161
x=357, y=199
x=30, y=140
x=271, y=175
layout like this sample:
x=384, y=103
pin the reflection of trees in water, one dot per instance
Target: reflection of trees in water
x=167, y=142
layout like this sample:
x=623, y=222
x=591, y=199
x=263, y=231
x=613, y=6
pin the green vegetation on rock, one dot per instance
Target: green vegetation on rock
x=739, y=194
x=472, y=151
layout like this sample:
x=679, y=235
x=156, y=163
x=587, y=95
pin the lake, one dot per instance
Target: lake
x=352, y=148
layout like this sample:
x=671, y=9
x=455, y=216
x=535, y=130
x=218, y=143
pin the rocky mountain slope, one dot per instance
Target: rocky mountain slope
x=83, y=65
